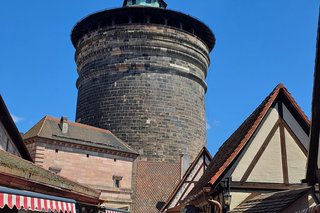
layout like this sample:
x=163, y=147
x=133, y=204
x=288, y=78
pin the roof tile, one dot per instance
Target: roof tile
x=49, y=127
x=154, y=183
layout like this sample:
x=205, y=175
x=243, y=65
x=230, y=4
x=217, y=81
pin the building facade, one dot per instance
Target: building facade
x=25, y=187
x=267, y=153
x=87, y=155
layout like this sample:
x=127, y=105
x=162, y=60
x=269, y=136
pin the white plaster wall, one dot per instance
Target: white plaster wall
x=269, y=167
x=176, y=199
x=296, y=128
x=237, y=198
x=195, y=169
x=296, y=159
x=185, y=185
x=255, y=145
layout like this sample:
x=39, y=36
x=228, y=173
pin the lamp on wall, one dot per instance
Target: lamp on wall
x=226, y=194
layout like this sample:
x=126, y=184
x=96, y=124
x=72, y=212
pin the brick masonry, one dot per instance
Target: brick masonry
x=87, y=167
x=146, y=84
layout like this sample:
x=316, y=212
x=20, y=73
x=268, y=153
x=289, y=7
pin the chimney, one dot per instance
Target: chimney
x=64, y=126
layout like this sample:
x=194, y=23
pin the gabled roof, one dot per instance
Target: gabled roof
x=49, y=127
x=233, y=146
x=315, y=125
x=271, y=202
x=202, y=156
x=7, y=121
x=16, y=172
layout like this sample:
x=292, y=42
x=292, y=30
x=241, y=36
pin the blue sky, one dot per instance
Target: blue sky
x=260, y=43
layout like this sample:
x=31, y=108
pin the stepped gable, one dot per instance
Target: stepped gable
x=233, y=146
x=49, y=127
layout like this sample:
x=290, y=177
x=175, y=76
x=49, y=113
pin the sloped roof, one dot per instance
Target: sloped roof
x=49, y=127
x=232, y=147
x=203, y=153
x=315, y=126
x=271, y=202
x=154, y=183
x=21, y=171
x=12, y=130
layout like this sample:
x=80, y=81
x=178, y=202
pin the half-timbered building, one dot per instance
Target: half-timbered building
x=267, y=153
x=188, y=181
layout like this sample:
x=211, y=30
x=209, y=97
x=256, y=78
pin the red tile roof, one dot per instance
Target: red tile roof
x=237, y=141
x=154, y=183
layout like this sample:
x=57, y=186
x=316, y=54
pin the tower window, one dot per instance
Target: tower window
x=116, y=181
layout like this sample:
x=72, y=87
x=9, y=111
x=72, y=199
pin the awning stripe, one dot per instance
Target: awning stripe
x=1, y=201
x=115, y=211
x=35, y=204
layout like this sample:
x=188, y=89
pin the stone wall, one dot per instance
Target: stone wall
x=146, y=84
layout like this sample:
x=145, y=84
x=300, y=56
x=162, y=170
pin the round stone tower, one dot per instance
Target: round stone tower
x=142, y=71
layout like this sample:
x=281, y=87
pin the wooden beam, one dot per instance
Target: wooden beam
x=260, y=152
x=190, y=182
x=312, y=165
x=252, y=195
x=295, y=138
x=263, y=186
x=284, y=158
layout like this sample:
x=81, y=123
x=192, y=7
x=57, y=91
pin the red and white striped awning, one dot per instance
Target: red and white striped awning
x=35, y=204
x=111, y=211
x=115, y=211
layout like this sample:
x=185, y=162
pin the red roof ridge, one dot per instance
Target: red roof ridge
x=250, y=132
x=237, y=141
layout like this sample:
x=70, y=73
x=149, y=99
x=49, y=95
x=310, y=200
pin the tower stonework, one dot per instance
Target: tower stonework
x=142, y=76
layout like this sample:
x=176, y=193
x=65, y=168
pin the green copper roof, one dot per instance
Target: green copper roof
x=147, y=3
